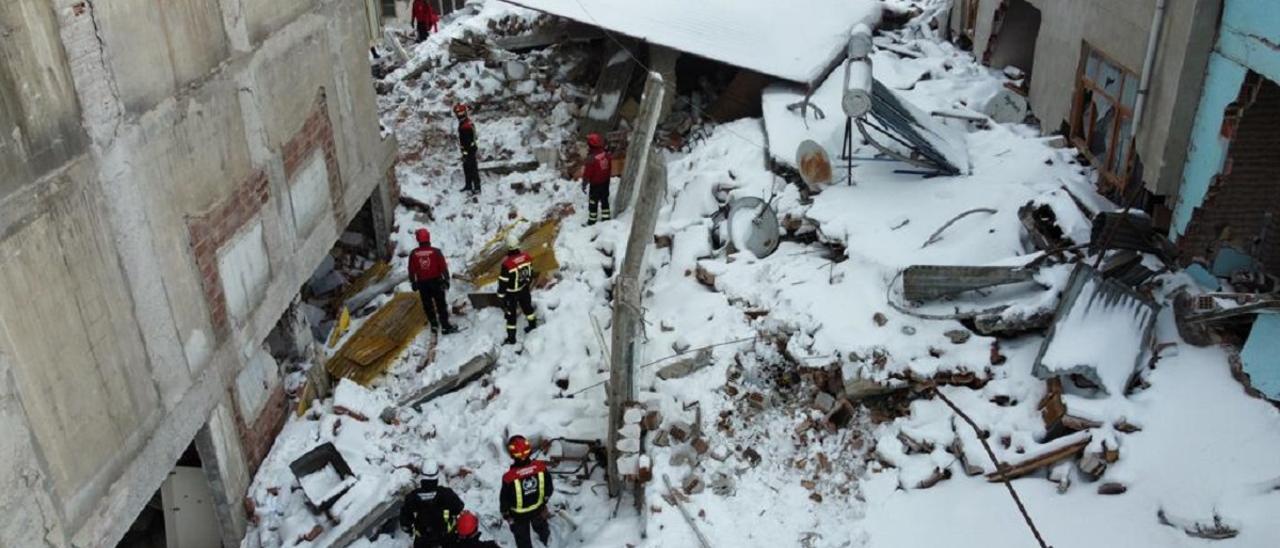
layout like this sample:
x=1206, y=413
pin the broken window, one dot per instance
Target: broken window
x=1102, y=120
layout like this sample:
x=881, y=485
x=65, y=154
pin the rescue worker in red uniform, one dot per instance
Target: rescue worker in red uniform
x=430, y=512
x=526, y=487
x=467, y=141
x=429, y=275
x=467, y=534
x=424, y=19
x=595, y=178
x=514, y=281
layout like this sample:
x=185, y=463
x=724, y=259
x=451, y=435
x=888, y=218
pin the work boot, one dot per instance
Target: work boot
x=449, y=330
x=511, y=338
x=533, y=324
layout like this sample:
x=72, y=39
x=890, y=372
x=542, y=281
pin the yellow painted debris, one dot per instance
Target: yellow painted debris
x=539, y=241
x=304, y=402
x=340, y=327
x=371, y=350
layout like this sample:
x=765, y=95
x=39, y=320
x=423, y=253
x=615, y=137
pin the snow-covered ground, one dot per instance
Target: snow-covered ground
x=774, y=475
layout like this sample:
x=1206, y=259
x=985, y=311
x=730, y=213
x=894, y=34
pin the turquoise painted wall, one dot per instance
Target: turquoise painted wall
x=1248, y=39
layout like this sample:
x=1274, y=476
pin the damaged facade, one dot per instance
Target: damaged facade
x=1225, y=221
x=1083, y=64
x=175, y=173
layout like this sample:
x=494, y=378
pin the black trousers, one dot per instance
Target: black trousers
x=433, y=303
x=424, y=30
x=598, y=203
x=520, y=529
x=471, y=169
x=512, y=304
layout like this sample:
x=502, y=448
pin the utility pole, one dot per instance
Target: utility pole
x=646, y=170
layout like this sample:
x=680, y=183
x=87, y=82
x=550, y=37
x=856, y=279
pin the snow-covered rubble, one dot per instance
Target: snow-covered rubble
x=764, y=451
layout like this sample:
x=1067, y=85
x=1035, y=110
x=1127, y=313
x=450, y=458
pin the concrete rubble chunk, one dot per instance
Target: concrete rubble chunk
x=1092, y=465
x=628, y=465
x=1112, y=488
x=720, y=453
x=473, y=369
x=692, y=485
x=680, y=430
x=824, y=402
x=628, y=445
x=630, y=431
x=633, y=415
x=700, y=445
x=723, y=485
x=958, y=336
x=661, y=439
x=652, y=421
x=687, y=366
x=682, y=457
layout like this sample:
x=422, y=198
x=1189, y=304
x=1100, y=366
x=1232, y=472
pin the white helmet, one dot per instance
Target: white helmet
x=513, y=241
x=431, y=470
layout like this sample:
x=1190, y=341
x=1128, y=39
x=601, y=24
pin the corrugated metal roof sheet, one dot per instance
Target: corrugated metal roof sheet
x=1102, y=332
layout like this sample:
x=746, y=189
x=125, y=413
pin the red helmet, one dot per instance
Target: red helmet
x=519, y=448
x=460, y=109
x=468, y=524
x=424, y=237
x=594, y=140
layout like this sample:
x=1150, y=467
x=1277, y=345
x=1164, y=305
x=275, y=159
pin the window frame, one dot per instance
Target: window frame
x=1114, y=171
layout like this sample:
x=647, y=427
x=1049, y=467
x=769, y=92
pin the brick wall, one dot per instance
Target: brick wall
x=316, y=134
x=256, y=436
x=209, y=232
x=1243, y=203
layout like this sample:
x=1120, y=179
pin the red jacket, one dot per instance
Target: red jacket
x=426, y=264
x=525, y=489
x=423, y=13
x=516, y=274
x=599, y=168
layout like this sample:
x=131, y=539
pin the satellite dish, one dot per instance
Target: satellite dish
x=752, y=226
x=814, y=163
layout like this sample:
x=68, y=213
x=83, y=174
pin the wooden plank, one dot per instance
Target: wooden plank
x=371, y=350
x=1063, y=447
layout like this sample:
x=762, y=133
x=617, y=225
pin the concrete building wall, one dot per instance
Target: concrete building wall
x=1246, y=42
x=1120, y=30
x=178, y=169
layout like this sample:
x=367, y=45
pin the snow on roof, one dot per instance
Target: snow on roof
x=796, y=41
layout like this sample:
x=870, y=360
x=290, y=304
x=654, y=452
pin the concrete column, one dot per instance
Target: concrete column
x=662, y=60
x=222, y=460
x=382, y=204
